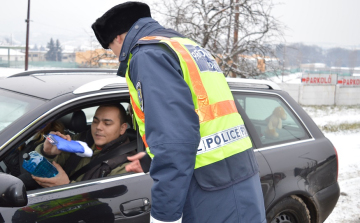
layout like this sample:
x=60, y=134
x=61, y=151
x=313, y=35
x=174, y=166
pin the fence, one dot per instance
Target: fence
x=39, y=64
x=323, y=95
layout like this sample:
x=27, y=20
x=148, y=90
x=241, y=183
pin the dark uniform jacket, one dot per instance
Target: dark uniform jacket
x=171, y=124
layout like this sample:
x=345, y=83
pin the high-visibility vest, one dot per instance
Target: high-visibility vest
x=222, y=129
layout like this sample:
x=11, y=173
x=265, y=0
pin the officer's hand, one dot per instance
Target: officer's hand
x=60, y=179
x=50, y=149
x=135, y=166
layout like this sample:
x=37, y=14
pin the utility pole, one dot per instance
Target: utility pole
x=236, y=26
x=236, y=35
x=27, y=37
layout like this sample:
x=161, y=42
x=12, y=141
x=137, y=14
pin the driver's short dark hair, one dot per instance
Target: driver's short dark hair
x=122, y=111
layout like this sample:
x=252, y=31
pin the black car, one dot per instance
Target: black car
x=298, y=165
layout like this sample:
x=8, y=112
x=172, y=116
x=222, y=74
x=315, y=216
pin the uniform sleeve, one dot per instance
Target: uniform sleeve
x=171, y=127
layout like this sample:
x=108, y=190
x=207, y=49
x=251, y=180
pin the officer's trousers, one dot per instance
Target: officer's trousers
x=240, y=203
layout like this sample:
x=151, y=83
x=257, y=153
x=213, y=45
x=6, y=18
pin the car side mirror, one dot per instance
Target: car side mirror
x=12, y=191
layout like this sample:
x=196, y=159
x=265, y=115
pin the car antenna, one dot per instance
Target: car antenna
x=36, y=78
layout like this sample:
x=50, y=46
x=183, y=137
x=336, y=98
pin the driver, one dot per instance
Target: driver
x=108, y=128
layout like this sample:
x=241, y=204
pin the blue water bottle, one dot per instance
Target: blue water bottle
x=38, y=166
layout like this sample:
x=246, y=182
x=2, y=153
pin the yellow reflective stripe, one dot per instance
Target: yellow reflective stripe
x=137, y=110
x=213, y=111
x=224, y=122
x=223, y=152
x=221, y=138
x=144, y=140
x=150, y=154
x=138, y=114
x=205, y=111
x=133, y=93
x=216, y=81
x=218, y=113
x=196, y=82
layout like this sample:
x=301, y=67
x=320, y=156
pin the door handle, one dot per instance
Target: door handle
x=135, y=207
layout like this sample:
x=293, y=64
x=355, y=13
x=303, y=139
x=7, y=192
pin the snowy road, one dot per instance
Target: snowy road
x=347, y=209
x=347, y=144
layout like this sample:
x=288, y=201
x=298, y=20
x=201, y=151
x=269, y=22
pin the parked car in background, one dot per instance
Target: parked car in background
x=298, y=164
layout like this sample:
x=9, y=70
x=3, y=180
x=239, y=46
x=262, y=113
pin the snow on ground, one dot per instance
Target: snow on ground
x=347, y=144
x=334, y=115
x=5, y=72
x=348, y=147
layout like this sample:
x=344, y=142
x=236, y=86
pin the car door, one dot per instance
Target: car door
x=289, y=148
x=302, y=160
x=266, y=175
x=119, y=198
x=114, y=199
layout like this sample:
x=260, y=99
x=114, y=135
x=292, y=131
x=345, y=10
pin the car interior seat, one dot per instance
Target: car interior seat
x=74, y=122
x=131, y=133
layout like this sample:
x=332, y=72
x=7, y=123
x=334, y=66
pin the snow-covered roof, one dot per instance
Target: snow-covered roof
x=5, y=52
x=271, y=59
x=37, y=51
x=108, y=61
x=345, y=68
x=68, y=52
x=315, y=65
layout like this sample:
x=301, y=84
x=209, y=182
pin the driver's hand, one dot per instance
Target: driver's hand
x=50, y=149
x=60, y=179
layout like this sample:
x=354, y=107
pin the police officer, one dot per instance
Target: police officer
x=202, y=162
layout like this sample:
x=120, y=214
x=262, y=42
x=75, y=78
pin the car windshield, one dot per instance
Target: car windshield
x=13, y=106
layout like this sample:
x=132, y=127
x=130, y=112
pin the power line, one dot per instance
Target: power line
x=57, y=27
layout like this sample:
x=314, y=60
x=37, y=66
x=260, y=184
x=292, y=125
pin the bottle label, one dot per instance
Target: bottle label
x=38, y=166
x=51, y=139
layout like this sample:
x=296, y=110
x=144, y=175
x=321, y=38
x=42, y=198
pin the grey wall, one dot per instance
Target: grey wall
x=323, y=95
x=347, y=95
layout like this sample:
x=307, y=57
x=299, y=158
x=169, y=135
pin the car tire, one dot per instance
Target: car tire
x=289, y=210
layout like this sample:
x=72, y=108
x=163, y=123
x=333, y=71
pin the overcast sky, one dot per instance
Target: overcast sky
x=322, y=22
x=326, y=22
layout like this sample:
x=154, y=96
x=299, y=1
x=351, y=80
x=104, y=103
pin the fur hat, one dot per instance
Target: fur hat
x=118, y=20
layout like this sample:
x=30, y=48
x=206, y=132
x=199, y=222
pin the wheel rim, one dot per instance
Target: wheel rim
x=284, y=217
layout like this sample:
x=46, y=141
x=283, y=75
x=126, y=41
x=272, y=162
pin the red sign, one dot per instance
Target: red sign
x=349, y=81
x=319, y=79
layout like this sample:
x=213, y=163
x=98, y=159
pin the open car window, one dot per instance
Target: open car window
x=74, y=123
x=89, y=112
x=274, y=122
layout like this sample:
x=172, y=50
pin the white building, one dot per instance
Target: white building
x=37, y=55
x=12, y=55
x=313, y=66
x=68, y=56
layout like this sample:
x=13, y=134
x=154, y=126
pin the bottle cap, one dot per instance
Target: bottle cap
x=26, y=156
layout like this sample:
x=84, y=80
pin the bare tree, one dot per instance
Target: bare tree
x=92, y=58
x=236, y=32
x=95, y=54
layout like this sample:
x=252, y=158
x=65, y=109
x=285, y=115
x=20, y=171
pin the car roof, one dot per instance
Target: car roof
x=252, y=83
x=51, y=84
x=48, y=84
